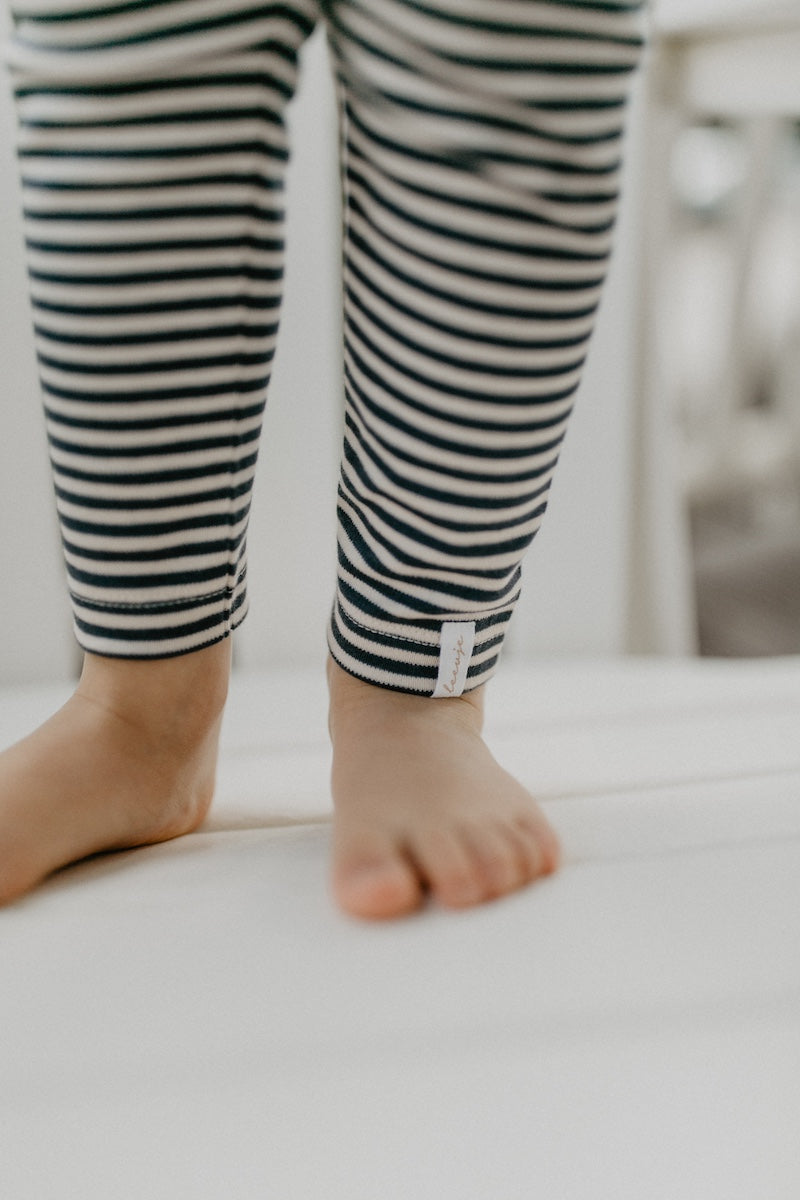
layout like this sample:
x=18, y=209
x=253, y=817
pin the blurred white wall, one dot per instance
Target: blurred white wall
x=35, y=639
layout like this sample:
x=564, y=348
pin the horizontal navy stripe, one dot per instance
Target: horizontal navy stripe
x=155, y=338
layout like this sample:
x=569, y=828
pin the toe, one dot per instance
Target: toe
x=375, y=881
x=495, y=863
x=529, y=849
x=539, y=841
x=448, y=868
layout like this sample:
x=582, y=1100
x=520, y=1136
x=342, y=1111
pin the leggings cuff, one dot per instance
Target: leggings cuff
x=440, y=657
x=160, y=630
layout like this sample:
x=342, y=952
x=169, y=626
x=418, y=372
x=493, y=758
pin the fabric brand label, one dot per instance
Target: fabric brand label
x=455, y=652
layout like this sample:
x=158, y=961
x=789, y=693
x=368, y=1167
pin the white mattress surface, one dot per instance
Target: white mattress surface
x=197, y=1020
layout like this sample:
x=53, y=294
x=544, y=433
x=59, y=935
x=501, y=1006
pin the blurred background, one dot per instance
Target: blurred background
x=723, y=307
x=686, y=433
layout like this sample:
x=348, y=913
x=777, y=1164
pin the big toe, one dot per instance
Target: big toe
x=375, y=881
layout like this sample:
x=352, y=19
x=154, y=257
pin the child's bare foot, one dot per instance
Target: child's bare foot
x=421, y=805
x=129, y=760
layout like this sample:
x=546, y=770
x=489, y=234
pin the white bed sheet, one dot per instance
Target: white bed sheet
x=196, y=1020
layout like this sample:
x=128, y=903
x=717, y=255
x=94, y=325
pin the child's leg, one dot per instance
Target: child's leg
x=152, y=151
x=482, y=146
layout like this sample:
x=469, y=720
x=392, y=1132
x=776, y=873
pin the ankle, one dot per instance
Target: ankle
x=183, y=696
x=349, y=694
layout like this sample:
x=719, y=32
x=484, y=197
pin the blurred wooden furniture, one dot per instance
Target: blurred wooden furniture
x=708, y=59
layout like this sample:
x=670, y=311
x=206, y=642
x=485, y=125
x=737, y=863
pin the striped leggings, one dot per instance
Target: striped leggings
x=480, y=150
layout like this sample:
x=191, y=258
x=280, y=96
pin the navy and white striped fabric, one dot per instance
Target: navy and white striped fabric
x=480, y=160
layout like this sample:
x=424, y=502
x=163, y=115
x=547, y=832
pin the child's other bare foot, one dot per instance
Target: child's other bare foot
x=421, y=805
x=129, y=760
